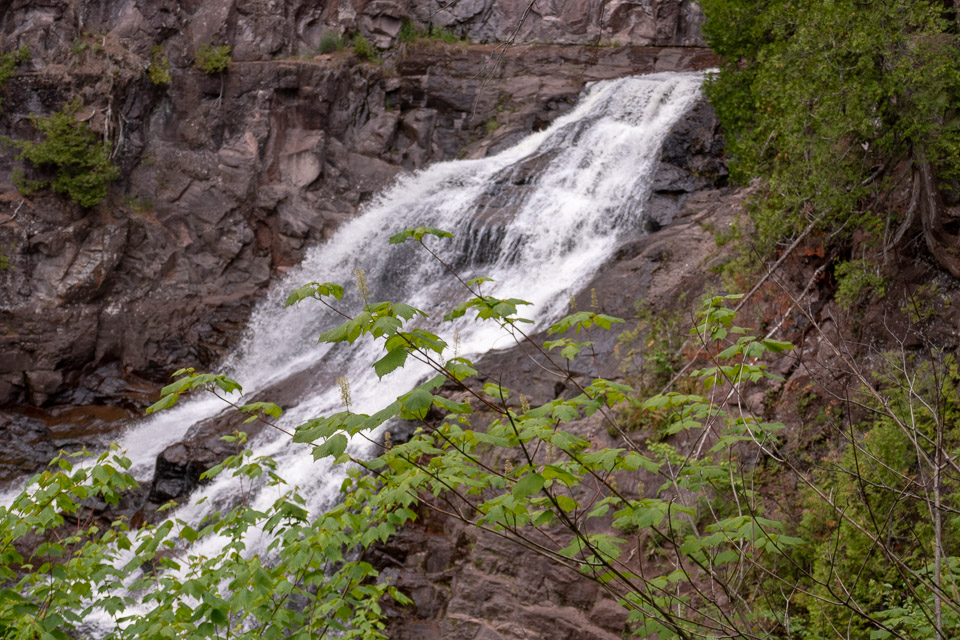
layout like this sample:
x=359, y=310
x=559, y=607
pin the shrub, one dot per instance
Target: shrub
x=363, y=49
x=211, y=59
x=409, y=32
x=159, y=69
x=330, y=41
x=77, y=158
x=828, y=139
x=855, y=279
x=9, y=62
x=445, y=36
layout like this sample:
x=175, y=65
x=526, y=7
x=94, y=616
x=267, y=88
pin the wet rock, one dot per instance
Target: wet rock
x=222, y=192
x=93, y=263
x=33, y=437
x=180, y=465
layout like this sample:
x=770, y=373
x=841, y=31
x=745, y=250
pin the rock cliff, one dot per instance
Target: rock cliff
x=226, y=178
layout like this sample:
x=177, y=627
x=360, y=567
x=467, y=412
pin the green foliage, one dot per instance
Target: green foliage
x=211, y=59
x=867, y=481
x=825, y=98
x=331, y=41
x=363, y=49
x=718, y=560
x=78, y=161
x=312, y=583
x=856, y=279
x=9, y=63
x=159, y=69
x=410, y=32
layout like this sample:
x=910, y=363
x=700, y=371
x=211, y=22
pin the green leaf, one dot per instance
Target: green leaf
x=219, y=618
x=332, y=447
x=416, y=404
x=314, y=290
x=496, y=391
x=604, y=321
x=268, y=408
x=528, y=485
x=163, y=403
x=460, y=368
x=390, y=362
x=554, y=472
x=451, y=406
x=417, y=233
x=543, y=519
x=777, y=346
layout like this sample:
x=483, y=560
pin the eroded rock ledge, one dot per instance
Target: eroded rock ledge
x=222, y=192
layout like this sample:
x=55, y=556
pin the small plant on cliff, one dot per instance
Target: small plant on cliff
x=212, y=59
x=76, y=160
x=5, y=262
x=857, y=279
x=8, y=64
x=331, y=41
x=363, y=49
x=159, y=69
x=410, y=32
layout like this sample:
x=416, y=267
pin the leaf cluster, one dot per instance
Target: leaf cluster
x=363, y=49
x=825, y=99
x=212, y=59
x=77, y=160
x=9, y=63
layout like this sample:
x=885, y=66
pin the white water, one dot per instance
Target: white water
x=565, y=196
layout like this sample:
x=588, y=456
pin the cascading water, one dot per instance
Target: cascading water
x=539, y=218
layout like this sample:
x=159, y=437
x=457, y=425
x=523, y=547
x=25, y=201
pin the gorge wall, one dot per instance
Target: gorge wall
x=225, y=179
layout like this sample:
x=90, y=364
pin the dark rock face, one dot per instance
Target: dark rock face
x=262, y=30
x=691, y=160
x=226, y=180
x=180, y=465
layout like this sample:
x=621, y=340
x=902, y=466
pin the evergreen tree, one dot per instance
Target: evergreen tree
x=837, y=103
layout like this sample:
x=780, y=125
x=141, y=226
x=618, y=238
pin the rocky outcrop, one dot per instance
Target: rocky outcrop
x=261, y=29
x=224, y=187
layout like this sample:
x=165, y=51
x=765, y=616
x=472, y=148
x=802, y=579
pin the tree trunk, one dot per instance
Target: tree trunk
x=944, y=246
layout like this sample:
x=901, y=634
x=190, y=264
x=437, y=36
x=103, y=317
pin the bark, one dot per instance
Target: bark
x=944, y=246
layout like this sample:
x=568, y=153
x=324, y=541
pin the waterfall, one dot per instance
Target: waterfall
x=539, y=218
